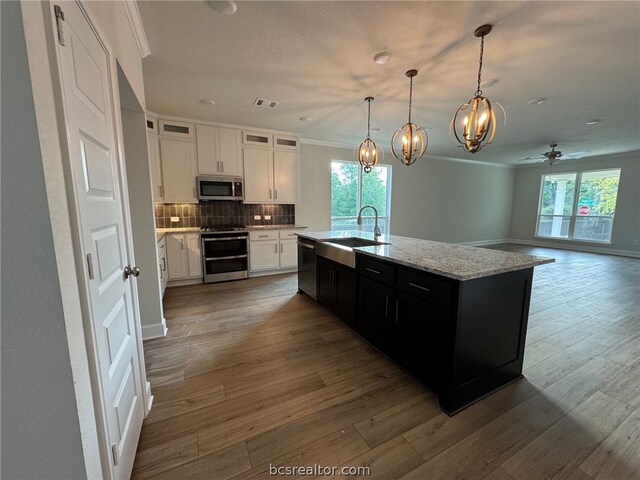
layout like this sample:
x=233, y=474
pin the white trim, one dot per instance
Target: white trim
x=133, y=15
x=182, y=282
x=479, y=243
x=174, y=118
x=578, y=248
x=158, y=330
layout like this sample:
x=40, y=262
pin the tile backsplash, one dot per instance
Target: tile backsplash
x=221, y=212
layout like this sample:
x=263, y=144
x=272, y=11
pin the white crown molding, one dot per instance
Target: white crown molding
x=133, y=14
x=324, y=143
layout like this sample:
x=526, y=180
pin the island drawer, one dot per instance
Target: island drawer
x=382, y=272
x=427, y=287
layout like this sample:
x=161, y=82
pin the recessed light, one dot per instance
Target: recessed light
x=305, y=119
x=227, y=7
x=207, y=101
x=382, y=57
x=537, y=101
x=375, y=130
x=489, y=83
x=592, y=122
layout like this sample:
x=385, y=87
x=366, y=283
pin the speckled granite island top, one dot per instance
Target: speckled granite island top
x=459, y=262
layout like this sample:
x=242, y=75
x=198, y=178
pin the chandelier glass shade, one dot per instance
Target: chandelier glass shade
x=409, y=142
x=475, y=123
x=368, y=153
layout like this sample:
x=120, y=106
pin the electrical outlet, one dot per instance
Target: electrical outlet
x=267, y=217
x=257, y=217
x=175, y=219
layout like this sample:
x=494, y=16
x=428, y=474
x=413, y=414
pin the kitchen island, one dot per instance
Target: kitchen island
x=453, y=316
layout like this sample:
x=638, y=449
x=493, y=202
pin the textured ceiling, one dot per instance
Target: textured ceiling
x=315, y=58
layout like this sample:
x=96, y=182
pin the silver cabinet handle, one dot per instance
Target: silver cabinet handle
x=373, y=270
x=269, y=193
x=160, y=190
x=276, y=245
x=182, y=244
x=276, y=194
x=161, y=270
x=397, y=310
x=420, y=287
x=304, y=245
x=263, y=236
x=164, y=264
x=131, y=271
x=222, y=166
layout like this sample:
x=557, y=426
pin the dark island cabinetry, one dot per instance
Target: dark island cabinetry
x=337, y=290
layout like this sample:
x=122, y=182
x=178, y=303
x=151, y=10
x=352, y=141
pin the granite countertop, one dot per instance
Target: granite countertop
x=275, y=227
x=459, y=262
x=160, y=232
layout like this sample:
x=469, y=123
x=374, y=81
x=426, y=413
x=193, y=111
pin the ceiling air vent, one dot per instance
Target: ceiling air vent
x=261, y=102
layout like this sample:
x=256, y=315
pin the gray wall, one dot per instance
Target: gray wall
x=40, y=427
x=432, y=199
x=626, y=227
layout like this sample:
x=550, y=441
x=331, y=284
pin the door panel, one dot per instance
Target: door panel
x=263, y=255
x=377, y=313
x=285, y=176
x=258, y=175
x=230, y=151
x=97, y=179
x=194, y=256
x=176, y=257
x=288, y=253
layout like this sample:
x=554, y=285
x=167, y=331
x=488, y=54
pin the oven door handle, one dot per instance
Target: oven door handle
x=306, y=245
x=233, y=257
x=222, y=239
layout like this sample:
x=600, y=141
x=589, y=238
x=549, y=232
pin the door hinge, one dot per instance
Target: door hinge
x=90, y=266
x=59, y=19
x=114, y=453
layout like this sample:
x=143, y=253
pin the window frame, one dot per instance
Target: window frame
x=387, y=213
x=574, y=212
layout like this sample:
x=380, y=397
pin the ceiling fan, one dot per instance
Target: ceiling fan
x=553, y=156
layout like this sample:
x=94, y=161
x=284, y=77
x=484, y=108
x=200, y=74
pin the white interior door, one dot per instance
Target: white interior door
x=97, y=177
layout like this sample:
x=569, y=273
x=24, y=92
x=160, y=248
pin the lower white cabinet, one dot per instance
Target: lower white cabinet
x=162, y=264
x=184, y=256
x=272, y=250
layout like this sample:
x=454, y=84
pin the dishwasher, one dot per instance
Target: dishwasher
x=307, y=267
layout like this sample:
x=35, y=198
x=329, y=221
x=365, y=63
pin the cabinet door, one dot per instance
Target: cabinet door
x=153, y=144
x=377, y=314
x=326, y=291
x=263, y=255
x=179, y=170
x=230, y=152
x=346, y=292
x=258, y=174
x=176, y=256
x=421, y=339
x=285, y=176
x=194, y=254
x=207, y=143
x=288, y=253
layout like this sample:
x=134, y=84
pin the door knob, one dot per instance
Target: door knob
x=129, y=270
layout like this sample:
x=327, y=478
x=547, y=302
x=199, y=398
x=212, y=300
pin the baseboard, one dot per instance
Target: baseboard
x=186, y=281
x=480, y=243
x=577, y=248
x=273, y=272
x=157, y=330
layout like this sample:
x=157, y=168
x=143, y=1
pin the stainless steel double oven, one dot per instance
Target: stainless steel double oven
x=225, y=253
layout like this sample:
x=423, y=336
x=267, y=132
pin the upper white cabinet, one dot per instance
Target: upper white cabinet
x=258, y=175
x=155, y=166
x=219, y=150
x=286, y=142
x=257, y=139
x=179, y=170
x=285, y=176
x=170, y=128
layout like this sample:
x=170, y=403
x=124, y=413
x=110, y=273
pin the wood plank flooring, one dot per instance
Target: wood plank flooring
x=252, y=374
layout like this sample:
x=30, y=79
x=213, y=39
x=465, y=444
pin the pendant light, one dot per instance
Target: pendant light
x=368, y=153
x=409, y=142
x=474, y=124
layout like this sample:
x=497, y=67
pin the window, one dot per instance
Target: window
x=351, y=188
x=578, y=206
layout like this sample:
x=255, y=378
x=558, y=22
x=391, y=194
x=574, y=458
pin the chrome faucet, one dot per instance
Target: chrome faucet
x=376, y=230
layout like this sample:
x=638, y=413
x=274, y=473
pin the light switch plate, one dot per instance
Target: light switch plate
x=175, y=219
x=267, y=217
x=257, y=217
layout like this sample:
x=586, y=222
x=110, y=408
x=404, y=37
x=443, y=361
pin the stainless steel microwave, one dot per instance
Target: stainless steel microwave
x=219, y=188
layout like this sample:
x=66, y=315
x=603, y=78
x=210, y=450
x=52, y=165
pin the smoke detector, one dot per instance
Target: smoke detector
x=261, y=102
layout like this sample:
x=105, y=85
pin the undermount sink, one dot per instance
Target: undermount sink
x=341, y=250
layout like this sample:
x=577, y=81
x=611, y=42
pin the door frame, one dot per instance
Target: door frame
x=46, y=77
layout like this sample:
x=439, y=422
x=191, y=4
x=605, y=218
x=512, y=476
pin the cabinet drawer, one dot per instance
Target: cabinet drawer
x=288, y=234
x=382, y=272
x=256, y=235
x=427, y=287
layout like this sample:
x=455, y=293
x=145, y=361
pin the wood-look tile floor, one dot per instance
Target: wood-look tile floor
x=252, y=374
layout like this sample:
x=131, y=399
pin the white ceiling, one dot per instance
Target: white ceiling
x=315, y=58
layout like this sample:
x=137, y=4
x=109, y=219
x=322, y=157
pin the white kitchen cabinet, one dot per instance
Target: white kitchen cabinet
x=270, y=176
x=176, y=129
x=219, y=150
x=264, y=255
x=153, y=144
x=288, y=253
x=258, y=175
x=184, y=257
x=260, y=139
x=162, y=264
x=285, y=176
x=179, y=170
